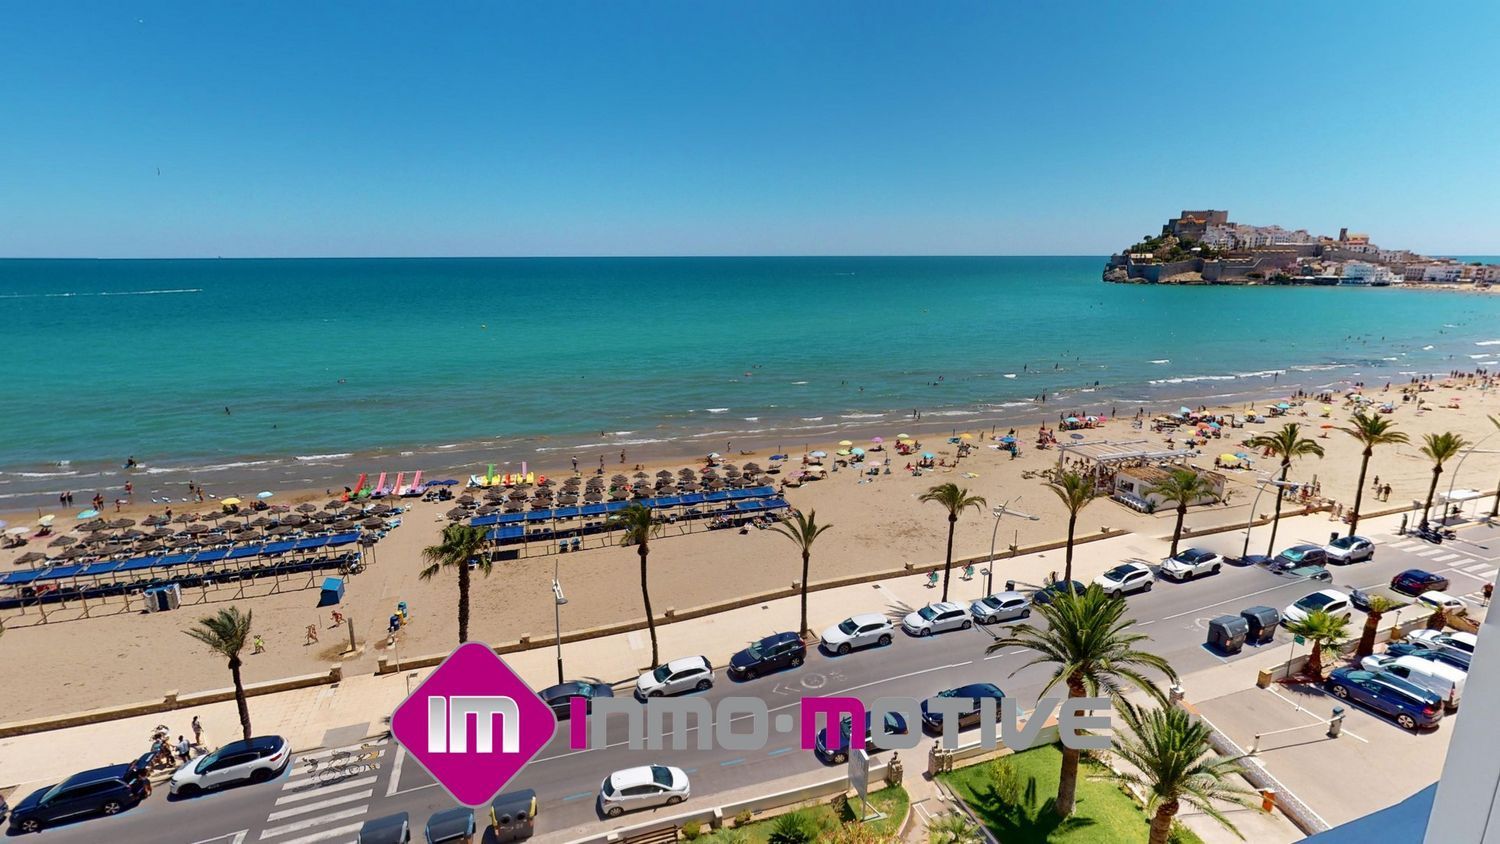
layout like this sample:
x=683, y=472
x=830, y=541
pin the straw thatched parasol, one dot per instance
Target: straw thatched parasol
x=307, y=507
x=61, y=542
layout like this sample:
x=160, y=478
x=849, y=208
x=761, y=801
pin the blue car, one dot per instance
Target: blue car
x=838, y=752
x=1047, y=593
x=932, y=720
x=1409, y=705
x=101, y=791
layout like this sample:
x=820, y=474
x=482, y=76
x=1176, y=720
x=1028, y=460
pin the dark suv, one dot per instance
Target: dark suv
x=102, y=791
x=932, y=720
x=773, y=653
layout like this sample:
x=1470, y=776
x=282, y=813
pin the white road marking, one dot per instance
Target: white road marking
x=1216, y=604
x=298, y=826
x=226, y=838
x=321, y=804
x=390, y=788
x=1479, y=567
x=345, y=832
x=323, y=790
x=1429, y=552
x=1446, y=557
x=1300, y=708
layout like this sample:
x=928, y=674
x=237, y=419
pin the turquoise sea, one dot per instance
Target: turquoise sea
x=331, y=367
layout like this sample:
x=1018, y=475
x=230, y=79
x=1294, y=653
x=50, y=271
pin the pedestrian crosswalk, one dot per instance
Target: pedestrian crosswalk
x=326, y=796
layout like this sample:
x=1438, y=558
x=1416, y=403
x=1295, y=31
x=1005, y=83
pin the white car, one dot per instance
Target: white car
x=859, y=631
x=642, y=788
x=1349, y=549
x=1445, y=680
x=1331, y=601
x=1126, y=577
x=1186, y=565
x=1001, y=606
x=1457, y=643
x=937, y=617
x=689, y=674
x=1437, y=600
x=257, y=760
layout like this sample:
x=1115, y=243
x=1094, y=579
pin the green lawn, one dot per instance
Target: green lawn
x=891, y=802
x=1102, y=813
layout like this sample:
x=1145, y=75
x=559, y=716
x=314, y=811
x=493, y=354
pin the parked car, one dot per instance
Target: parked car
x=451, y=826
x=1045, y=594
x=1349, y=549
x=1186, y=565
x=257, y=760
x=973, y=692
x=1440, y=678
x=1408, y=705
x=642, y=788
x=1126, y=578
x=1416, y=581
x=1299, y=555
x=858, y=631
x=391, y=829
x=1457, y=644
x=837, y=752
x=560, y=697
x=1307, y=573
x=1422, y=651
x=1436, y=599
x=1360, y=598
x=937, y=617
x=1254, y=560
x=773, y=653
x=1331, y=601
x=101, y=791
x=1001, y=606
x=688, y=674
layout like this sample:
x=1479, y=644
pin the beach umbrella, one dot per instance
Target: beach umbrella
x=261, y=521
x=307, y=507
x=642, y=475
x=681, y=473
x=30, y=557
x=857, y=451
x=133, y=533
x=619, y=479
x=153, y=520
x=1071, y=419
x=118, y=524
x=752, y=466
x=88, y=514
x=1091, y=419
x=18, y=531
x=666, y=474
x=778, y=457
x=621, y=495
x=713, y=455
x=818, y=454
x=46, y=521
x=846, y=443
x=968, y=436
x=518, y=495
x=927, y=455
x=1007, y=439
x=162, y=531
x=567, y=498
x=343, y=524
x=372, y=523
x=877, y=439
x=512, y=506
x=333, y=505
x=545, y=482
x=1229, y=458
x=229, y=502
x=264, y=494
x=691, y=486
x=196, y=528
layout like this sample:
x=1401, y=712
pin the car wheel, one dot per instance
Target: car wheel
x=885, y=639
x=189, y=790
x=966, y=625
x=112, y=807
x=674, y=800
x=1147, y=587
x=1215, y=569
x=925, y=631
x=1406, y=721
x=703, y=685
x=260, y=775
x=614, y=812
x=31, y=825
x=747, y=674
x=796, y=661
x=1026, y=613
x=846, y=648
x=1340, y=692
x=839, y=758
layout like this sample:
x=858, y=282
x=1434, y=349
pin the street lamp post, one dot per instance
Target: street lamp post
x=999, y=513
x=1260, y=487
x=1453, y=477
x=558, y=599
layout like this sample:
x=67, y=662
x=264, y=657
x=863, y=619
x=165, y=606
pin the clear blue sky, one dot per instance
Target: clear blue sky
x=619, y=128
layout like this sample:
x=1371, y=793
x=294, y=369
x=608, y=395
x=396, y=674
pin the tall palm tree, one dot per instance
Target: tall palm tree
x=1325, y=633
x=1075, y=492
x=1370, y=429
x=1182, y=487
x=802, y=529
x=1288, y=444
x=226, y=633
x=461, y=544
x=1173, y=764
x=1379, y=605
x=955, y=499
x=1439, y=448
x=1087, y=641
x=639, y=525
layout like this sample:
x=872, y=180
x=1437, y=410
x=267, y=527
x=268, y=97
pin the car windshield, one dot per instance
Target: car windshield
x=206, y=761
x=1192, y=556
x=661, y=673
x=992, y=601
x=848, y=626
x=754, y=650
x=927, y=613
x=609, y=788
x=660, y=775
x=1315, y=601
x=1119, y=572
x=1343, y=542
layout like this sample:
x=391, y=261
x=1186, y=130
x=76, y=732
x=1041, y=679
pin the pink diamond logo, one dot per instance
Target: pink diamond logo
x=473, y=724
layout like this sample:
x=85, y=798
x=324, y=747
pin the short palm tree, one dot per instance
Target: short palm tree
x=461, y=544
x=1439, y=448
x=1325, y=633
x=802, y=529
x=1379, y=605
x=1075, y=492
x=1370, y=430
x=1174, y=764
x=955, y=499
x=1086, y=639
x=639, y=525
x=1182, y=488
x=1287, y=444
x=953, y=828
x=227, y=632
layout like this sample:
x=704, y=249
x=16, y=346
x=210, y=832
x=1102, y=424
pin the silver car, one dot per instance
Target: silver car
x=642, y=788
x=1001, y=606
x=689, y=674
x=858, y=631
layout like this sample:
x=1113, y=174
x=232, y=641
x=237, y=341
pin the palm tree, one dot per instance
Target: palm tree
x=1173, y=764
x=226, y=632
x=640, y=525
x=953, y=828
x=1086, y=639
x=1075, y=492
x=1370, y=429
x=460, y=545
x=1439, y=448
x=1288, y=443
x=1378, y=605
x=802, y=530
x=955, y=499
x=1326, y=633
x=1182, y=487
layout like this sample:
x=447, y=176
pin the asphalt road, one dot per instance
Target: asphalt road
x=300, y=808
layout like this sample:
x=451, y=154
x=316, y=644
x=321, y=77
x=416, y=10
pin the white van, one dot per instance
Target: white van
x=1437, y=677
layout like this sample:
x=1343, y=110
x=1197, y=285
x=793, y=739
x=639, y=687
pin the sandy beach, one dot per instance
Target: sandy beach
x=878, y=525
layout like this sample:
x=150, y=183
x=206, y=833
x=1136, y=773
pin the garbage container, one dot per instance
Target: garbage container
x=1227, y=633
x=1261, y=622
x=513, y=815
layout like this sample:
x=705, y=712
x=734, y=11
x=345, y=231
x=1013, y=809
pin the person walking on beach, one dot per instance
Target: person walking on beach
x=312, y=634
x=260, y=645
x=197, y=731
x=575, y=464
x=622, y=457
